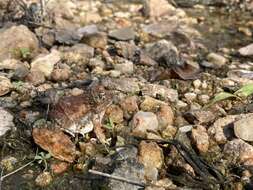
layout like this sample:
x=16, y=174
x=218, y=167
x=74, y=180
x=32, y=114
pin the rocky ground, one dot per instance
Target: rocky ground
x=93, y=90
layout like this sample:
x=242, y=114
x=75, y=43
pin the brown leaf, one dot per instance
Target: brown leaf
x=56, y=143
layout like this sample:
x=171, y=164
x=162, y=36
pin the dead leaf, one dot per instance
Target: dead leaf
x=56, y=143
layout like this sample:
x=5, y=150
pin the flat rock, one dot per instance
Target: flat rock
x=45, y=63
x=123, y=34
x=14, y=40
x=56, y=143
x=243, y=128
x=6, y=121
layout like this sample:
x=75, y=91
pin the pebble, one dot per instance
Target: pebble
x=44, y=179
x=36, y=78
x=115, y=113
x=143, y=122
x=190, y=96
x=238, y=150
x=200, y=138
x=5, y=85
x=45, y=63
x=127, y=67
x=61, y=74
x=165, y=116
x=8, y=163
x=197, y=83
x=123, y=34
x=17, y=38
x=243, y=128
x=129, y=106
x=247, y=50
x=216, y=59
x=6, y=121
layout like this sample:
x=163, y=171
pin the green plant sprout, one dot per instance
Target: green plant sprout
x=243, y=92
x=25, y=53
x=42, y=158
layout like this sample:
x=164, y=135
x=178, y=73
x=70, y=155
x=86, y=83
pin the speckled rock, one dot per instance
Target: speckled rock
x=5, y=85
x=6, y=121
x=129, y=106
x=200, y=138
x=44, y=179
x=243, y=128
x=165, y=116
x=115, y=113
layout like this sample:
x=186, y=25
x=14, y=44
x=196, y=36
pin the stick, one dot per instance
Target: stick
x=2, y=170
x=15, y=171
x=117, y=178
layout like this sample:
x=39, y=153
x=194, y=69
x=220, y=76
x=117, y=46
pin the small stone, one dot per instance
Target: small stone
x=199, y=116
x=169, y=132
x=157, y=8
x=129, y=106
x=150, y=155
x=45, y=63
x=156, y=90
x=95, y=40
x=237, y=149
x=197, y=84
x=150, y=104
x=127, y=67
x=127, y=85
x=9, y=64
x=5, y=85
x=143, y=122
x=59, y=167
x=6, y=121
x=216, y=59
x=79, y=53
x=44, y=179
x=247, y=50
x=76, y=91
x=35, y=77
x=190, y=96
x=246, y=31
x=165, y=116
x=115, y=113
x=8, y=163
x=88, y=149
x=243, y=128
x=164, y=51
x=20, y=73
x=123, y=34
x=16, y=40
x=204, y=99
x=222, y=129
x=61, y=74
x=200, y=138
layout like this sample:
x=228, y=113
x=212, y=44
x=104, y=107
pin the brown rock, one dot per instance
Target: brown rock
x=144, y=122
x=16, y=39
x=199, y=116
x=95, y=40
x=150, y=155
x=200, y=138
x=165, y=116
x=61, y=74
x=35, y=77
x=237, y=149
x=56, y=143
x=115, y=113
x=88, y=149
x=129, y=106
x=59, y=167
